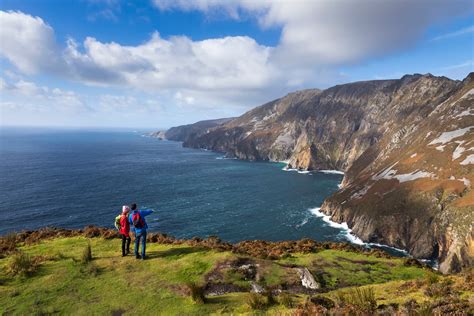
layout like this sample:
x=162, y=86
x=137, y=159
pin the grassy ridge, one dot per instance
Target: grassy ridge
x=110, y=284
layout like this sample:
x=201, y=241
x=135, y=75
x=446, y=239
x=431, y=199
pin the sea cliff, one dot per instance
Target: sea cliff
x=406, y=147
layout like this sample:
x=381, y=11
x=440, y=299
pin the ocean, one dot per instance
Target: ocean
x=72, y=178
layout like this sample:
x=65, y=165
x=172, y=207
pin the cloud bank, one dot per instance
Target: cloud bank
x=316, y=37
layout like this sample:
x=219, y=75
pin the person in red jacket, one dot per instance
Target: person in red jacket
x=125, y=230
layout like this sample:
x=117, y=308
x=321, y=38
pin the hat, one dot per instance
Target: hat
x=125, y=209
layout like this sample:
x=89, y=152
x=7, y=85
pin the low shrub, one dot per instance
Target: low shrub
x=7, y=244
x=424, y=310
x=410, y=307
x=87, y=254
x=440, y=289
x=308, y=308
x=286, y=300
x=23, y=264
x=197, y=292
x=256, y=301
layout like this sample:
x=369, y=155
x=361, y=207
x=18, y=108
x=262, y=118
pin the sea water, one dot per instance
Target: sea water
x=72, y=178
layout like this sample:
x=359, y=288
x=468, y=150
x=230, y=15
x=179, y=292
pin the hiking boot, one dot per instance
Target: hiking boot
x=138, y=257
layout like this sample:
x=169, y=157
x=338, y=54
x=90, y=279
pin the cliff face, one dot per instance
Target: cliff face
x=413, y=188
x=185, y=132
x=407, y=147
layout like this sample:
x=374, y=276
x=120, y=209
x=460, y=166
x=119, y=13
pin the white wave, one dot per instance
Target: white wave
x=303, y=171
x=390, y=247
x=346, y=231
x=331, y=171
x=226, y=158
x=285, y=168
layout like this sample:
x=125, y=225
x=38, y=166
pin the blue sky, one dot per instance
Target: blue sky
x=159, y=63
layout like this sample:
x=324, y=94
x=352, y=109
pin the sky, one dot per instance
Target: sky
x=161, y=63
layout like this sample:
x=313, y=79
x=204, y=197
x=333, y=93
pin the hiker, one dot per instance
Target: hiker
x=139, y=226
x=124, y=229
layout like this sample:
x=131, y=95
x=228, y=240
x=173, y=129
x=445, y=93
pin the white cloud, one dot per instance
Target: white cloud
x=339, y=31
x=26, y=102
x=28, y=42
x=228, y=74
x=26, y=95
x=178, y=62
x=186, y=99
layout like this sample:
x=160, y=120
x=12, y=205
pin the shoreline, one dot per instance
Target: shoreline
x=351, y=238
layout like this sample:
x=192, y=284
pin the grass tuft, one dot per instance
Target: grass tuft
x=286, y=300
x=269, y=298
x=256, y=301
x=363, y=298
x=196, y=292
x=87, y=254
x=22, y=264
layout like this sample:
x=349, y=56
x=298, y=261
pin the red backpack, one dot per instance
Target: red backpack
x=137, y=220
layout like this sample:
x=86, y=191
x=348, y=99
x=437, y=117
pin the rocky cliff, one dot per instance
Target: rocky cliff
x=406, y=146
x=185, y=132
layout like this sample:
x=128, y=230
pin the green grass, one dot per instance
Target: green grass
x=62, y=286
x=342, y=268
x=109, y=283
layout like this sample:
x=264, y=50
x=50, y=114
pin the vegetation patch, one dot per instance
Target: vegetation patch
x=179, y=278
x=23, y=264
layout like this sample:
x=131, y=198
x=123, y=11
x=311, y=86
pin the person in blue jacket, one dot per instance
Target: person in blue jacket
x=139, y=226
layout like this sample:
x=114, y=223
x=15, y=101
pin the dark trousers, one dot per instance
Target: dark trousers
x=141, y=236
x=126, y=245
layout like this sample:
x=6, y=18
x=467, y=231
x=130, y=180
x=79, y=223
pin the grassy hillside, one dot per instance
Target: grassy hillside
x=56, y=276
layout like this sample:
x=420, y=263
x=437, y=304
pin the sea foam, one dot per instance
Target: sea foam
x=342, y=226
x=331, y=171
x=347, y=232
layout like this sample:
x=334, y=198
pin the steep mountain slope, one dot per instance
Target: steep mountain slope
x=406, y=146
x=413, y=189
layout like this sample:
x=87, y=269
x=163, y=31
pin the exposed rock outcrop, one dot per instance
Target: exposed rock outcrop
x=307, y=279
x=406, y=146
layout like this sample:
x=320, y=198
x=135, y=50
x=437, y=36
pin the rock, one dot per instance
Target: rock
x=257, y=288
x=248, y=270
x=307, y=279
